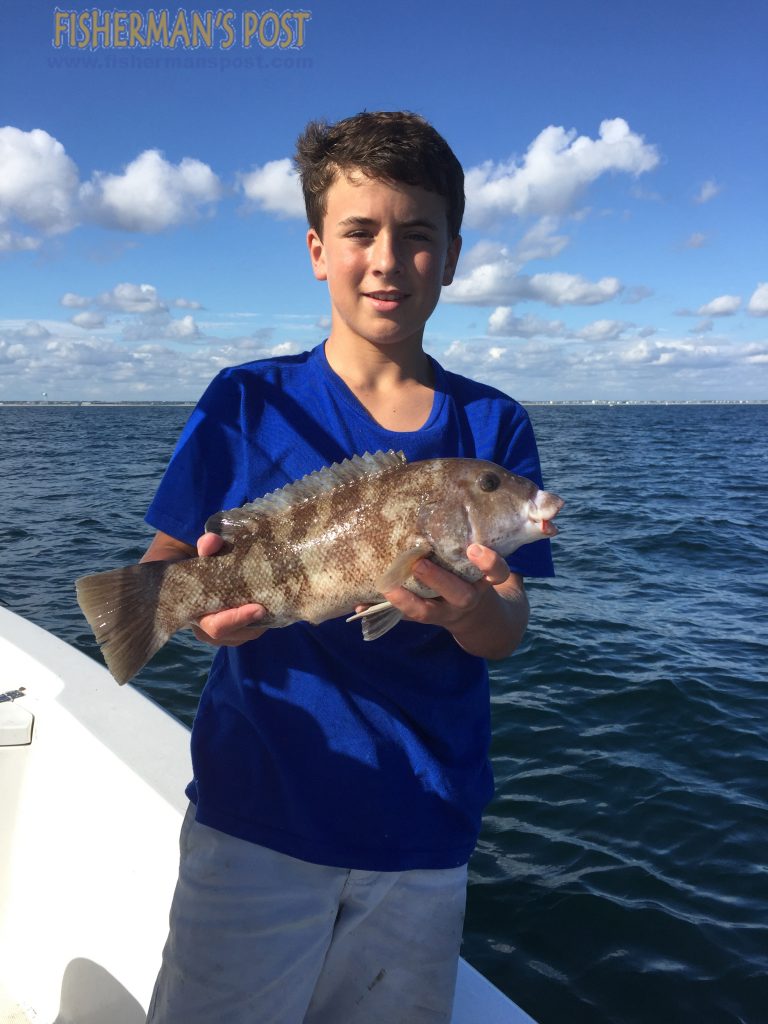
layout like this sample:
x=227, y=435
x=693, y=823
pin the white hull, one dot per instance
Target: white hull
x=90, y=812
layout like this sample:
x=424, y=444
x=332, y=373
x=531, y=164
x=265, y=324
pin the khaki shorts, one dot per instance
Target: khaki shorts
x=257, y=937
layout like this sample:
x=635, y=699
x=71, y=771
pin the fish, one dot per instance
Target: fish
x=321, y=547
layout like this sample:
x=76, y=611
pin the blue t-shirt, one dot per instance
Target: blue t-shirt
x=309, y=740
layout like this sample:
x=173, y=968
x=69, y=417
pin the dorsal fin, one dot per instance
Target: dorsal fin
x=310, y=486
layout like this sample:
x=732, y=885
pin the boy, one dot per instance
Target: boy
x=339, y=784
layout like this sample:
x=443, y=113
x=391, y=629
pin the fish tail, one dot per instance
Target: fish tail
x=124, y=609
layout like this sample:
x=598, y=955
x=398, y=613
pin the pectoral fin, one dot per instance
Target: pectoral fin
x=377, y=620
x=402, y=568
x=380, y=618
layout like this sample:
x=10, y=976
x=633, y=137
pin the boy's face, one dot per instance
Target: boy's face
x=385, y=253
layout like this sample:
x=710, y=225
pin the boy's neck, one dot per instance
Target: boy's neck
x=362, y=364
x=394, y=383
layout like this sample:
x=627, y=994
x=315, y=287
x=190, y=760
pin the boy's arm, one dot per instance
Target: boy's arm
x=229, y=628
x=165, y=548
x=487, y=618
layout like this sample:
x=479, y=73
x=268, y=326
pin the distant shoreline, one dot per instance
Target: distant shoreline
x=555, y=401
x=96, y=405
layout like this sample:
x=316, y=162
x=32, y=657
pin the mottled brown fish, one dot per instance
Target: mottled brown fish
x=317, y=548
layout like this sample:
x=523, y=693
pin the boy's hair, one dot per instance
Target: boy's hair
x=392, y=146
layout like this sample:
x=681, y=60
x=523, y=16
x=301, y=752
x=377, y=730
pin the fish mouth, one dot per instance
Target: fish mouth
x=542, y=510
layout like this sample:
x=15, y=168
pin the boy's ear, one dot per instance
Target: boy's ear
x=317, y=254
x=452, y=259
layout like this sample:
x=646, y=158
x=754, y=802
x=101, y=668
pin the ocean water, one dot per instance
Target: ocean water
x=621, y=875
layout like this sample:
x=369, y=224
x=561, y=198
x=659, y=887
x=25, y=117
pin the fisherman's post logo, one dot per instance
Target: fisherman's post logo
x=181, y=29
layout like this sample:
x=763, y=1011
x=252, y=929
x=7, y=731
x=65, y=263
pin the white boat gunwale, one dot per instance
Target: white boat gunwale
x=90, y=811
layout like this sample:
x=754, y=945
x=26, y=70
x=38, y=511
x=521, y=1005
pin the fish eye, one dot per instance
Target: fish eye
x=488, y=482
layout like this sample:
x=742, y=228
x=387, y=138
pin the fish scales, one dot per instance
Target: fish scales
x=326, y=552
x=318, y=548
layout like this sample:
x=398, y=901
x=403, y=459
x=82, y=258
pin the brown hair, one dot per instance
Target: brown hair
x=394, y=146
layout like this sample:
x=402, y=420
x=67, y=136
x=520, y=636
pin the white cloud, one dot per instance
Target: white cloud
x=73, y=301
x=503, y=323
x=64, y=361
x=497, y=282
x=463, y=355
x=527, y=370
x=182, y=329
x=723, y=305
x=5, y=352
x=603, y=330
x=151, y=194
x=142, y=314
x=674, y=351
x=12, y=241
x=128, y=297
x=705, y=326
x=485, y=252
x=132, y=298
x=556, y=168
x=275, y=187
x=541, y=242
x=686, y=368
x=69, y=365
x=33, y=330
x=559, y=289
x=70, y=355
x=707, y=191
x=88, y=319
x=38, y=185
x=695, y=241
x=758, y=302
x=493, y=281
x=492, y=277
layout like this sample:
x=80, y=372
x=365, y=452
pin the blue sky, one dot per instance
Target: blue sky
x=616, y=155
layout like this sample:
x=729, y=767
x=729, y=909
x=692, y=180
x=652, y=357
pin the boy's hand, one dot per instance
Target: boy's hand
x=233, y=626
x=487, y=618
